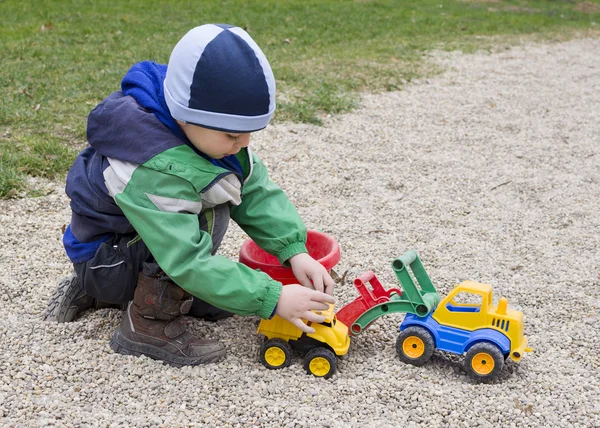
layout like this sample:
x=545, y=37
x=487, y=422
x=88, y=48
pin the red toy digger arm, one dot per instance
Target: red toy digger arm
x=369, y=297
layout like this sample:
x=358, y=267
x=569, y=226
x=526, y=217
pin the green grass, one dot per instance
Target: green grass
x=60, y=58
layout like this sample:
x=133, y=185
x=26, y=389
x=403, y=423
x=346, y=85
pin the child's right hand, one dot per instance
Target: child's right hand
x=297, y=302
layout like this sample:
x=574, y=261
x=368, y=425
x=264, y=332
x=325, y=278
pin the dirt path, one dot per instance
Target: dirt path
x=489, y=171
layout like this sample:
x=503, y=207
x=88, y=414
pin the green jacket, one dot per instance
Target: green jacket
x=165, y=199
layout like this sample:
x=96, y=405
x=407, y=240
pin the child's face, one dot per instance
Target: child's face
x=216, y=144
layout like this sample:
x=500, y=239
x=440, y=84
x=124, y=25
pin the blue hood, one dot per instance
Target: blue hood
x=144, y=82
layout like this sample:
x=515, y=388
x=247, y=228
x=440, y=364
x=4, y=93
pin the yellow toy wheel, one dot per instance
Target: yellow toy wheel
x=415, y=345
x=275, y=354
x=319, y=366
x=320, y=362
x=484, y=361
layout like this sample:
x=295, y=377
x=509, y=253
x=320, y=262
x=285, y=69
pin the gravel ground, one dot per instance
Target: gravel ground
x=489, y=171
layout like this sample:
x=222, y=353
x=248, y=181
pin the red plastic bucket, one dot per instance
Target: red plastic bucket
x=320, y=246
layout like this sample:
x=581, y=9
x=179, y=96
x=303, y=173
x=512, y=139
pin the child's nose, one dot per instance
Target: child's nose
x=244, y=140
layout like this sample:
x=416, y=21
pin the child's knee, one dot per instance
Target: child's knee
x=108, y=276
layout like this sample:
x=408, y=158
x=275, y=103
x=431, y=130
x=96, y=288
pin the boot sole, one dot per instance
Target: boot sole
x=66, y=291
x=120, y=344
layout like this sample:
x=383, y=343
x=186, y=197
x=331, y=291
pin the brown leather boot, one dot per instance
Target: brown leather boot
x=153, y=325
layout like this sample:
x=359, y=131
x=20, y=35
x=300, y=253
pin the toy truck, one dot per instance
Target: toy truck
x=330, y=339
x=319, y=348
x=487, y=334
x=464, y=322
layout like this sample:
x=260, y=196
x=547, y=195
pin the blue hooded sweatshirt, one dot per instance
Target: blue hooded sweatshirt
x=133, y=136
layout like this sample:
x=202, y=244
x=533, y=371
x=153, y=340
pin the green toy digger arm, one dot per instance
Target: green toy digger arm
x=414, y=300
x=424, y=299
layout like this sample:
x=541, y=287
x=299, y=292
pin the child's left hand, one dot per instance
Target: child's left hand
x=311, y=274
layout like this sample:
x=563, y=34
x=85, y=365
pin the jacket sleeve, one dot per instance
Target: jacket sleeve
x=163, y=209
x=268, y=216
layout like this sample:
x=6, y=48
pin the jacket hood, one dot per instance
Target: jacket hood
x=144, y=82
x=135, y=124
x=122, y=129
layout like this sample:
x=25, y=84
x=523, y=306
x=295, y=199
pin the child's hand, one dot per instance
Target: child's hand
x=297, y=302
x=311, y=273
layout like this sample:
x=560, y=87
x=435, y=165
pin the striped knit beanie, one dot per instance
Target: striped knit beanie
x=218, y=78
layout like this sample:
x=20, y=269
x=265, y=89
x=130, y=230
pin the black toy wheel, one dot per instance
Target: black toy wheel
x=320, y=362
x=415, y=345
x=484, y=361
x=275, y=354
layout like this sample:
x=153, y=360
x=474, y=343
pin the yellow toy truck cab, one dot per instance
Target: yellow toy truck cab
x=319, y=348
x=469, y=307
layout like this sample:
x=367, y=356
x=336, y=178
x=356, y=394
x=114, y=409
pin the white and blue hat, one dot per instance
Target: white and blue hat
x=218, y=78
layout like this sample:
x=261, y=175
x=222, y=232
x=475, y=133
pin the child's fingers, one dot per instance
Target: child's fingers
x=317, y=296
x=329, y=289
x=318, y=283
x=318, y=306
x=304, y=280
x=329, y=284
x=312, y=317
x=300, y=324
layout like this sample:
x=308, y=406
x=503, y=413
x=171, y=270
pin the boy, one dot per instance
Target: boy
x=151, y=197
